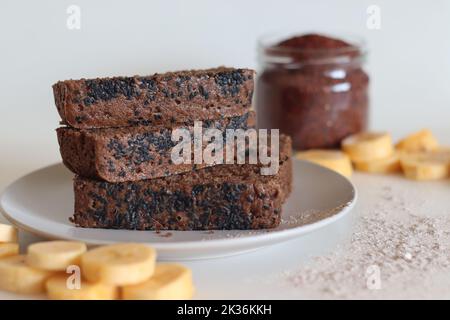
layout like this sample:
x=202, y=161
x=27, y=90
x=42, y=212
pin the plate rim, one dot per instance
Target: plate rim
x=280, y=235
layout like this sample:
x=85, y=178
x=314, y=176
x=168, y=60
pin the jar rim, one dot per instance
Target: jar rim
x=267, y=47
x=354, y=41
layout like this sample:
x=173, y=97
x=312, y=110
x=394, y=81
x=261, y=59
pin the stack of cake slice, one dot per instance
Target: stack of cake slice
x=117, y=138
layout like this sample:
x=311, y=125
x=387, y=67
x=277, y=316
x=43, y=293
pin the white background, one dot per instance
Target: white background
x=409, y=61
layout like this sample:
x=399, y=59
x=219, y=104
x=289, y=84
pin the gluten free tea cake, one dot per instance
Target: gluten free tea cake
x=133, y=153
x=219, y=197
x=117, y=138
x=160, y=99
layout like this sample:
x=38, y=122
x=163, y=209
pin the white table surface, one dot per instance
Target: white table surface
x=260, y=274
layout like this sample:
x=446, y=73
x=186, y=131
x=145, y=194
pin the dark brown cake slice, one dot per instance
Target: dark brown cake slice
x=154, y=100
x=220, y=197
x=133, y=153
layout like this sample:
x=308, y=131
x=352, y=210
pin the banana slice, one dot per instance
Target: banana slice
x=8, y=249
x=422, y=140
x=368, y=146
x=390, y=164
x=331, y=159
x=426, y=165
x=119, y=264
x=55, y=255
x=17, y=276
x=169, y=282
x=8, y=233
x=57, y=289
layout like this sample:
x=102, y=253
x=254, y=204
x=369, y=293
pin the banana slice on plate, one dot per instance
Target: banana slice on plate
x=368, y=146
x=426, y=165
x=169, y=282
x=55, y=255
x=16, y=276
x=119, y=264
x=8, y=233
x=390, y=164
x=58, y=289
x=8, y=249
x=332, y=159
x=422, y=140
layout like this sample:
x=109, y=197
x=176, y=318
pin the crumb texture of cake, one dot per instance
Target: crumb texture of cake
x=218, y=197
x=154, y=100
x=132, y=153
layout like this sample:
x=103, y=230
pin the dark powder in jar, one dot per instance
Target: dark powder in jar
x=313, y=88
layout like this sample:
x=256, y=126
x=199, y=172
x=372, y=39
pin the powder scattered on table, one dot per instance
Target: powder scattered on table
x=388, y=256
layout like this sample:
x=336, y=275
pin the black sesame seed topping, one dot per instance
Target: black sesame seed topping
x=230, y=82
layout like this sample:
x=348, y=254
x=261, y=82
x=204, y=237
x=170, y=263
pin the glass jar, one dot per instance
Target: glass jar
x=313, y=88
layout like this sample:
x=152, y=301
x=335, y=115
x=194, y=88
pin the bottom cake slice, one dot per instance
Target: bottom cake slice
x=228, y=196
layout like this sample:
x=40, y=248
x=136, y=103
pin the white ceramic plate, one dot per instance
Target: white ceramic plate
x=42, y=202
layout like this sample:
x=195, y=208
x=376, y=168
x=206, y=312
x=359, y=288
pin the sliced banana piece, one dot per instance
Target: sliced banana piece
x=422, y=140
x=368, y=146
x=8, y=249
x=8, y=233
x=17, y=276
x=331, y=159
x=426, y=165
x=58, y=289
x=169, y=282
x=390, y=164
x=55, y=255
x=119, y=264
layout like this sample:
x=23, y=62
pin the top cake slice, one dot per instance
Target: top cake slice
x=154, y=100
